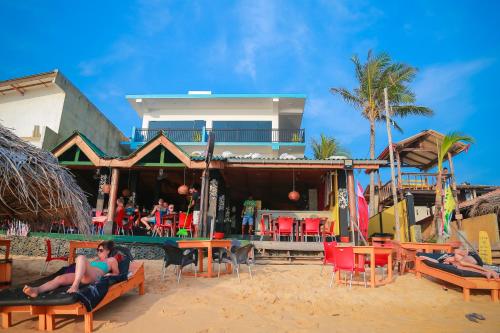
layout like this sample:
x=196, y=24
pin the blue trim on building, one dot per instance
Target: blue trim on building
x=188, y=96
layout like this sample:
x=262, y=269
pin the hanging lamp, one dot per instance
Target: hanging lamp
x=183, y=189
x=293, y=195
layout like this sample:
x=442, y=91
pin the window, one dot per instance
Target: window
x=181, y=124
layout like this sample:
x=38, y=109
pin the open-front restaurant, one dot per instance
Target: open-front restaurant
x=296, y=191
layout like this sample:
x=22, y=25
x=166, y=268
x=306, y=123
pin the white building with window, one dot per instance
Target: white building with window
x=263, y=125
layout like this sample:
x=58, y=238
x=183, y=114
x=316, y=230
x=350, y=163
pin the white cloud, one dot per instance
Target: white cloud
x=439, y=83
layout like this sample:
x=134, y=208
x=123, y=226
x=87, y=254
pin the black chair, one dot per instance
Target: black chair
x=179, y=258
x=236, y=257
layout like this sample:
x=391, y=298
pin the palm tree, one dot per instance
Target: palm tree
x=326, y=147
x=448, y=142
x=377, y=73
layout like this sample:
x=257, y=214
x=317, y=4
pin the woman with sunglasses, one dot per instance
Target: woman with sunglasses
x=83, y=271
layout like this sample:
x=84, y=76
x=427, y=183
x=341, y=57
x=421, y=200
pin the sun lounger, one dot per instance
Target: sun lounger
x=62, y=303
x=466, y=279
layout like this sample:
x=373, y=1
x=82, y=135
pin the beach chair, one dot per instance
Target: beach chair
x=328, y=256
x=285, y=227
x=343, y=260
x=312, y=228
x=265, y=226
x=179, y=258
x=49, y=257
x=236, y=257
x=467, y=280
x=185, y=221
x=56, y=303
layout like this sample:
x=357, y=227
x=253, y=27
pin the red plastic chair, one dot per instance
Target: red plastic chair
x=312, y=228
x=120, y=215
x=331, y=231
x=381, y=260
x=49, y=256
x=328, y=258
x=265, y=228
x=186, y=222
x=285, y=227
x=343, y=260
x=161, y=224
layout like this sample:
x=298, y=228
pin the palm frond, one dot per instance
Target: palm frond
x=407, y=110
x=449, y=141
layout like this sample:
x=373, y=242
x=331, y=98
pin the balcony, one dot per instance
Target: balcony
x=413, y=181
x=142, y=135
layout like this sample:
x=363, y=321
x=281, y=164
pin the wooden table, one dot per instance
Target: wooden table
x=372, y=251
x=201, y=244
x=73, y=245
x=6, y=265
x=428, y=247
x=6, y=243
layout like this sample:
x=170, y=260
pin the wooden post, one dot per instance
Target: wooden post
x=115, y=175
x=458, y=216
x=400, y=177
x=393, y=177
x=351, y=195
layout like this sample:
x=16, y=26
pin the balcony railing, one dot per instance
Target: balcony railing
x=223, y=135
x=412, y=181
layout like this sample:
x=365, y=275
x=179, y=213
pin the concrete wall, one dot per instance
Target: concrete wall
x=388, y=221
x=473, y=225
x=80, y=114
x=41, y=106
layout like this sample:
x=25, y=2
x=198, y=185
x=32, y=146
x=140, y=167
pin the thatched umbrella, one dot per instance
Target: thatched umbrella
x=35, y=189
x=487, y=204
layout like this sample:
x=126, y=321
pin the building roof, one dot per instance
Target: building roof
x=100, y=158
x=20, y=84
x=201, y=96
x=420, y=150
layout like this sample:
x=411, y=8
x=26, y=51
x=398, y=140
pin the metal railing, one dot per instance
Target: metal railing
x=412, y=181
x=223, y=135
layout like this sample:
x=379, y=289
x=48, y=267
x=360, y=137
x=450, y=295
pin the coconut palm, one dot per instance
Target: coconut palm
x=377, y=73
x=448, y=142
x=327, y=147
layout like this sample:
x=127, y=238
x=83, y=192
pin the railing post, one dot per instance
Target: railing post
x=132, y=138
x=203, y=134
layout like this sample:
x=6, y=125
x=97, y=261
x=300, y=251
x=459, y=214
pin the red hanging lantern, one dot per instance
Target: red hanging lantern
x=294, y=195
x=183, y=189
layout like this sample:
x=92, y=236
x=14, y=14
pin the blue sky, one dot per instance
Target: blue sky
x=113, y=48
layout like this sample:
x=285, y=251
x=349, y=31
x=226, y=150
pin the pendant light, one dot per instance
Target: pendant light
x=183, y=189
x=294, y=195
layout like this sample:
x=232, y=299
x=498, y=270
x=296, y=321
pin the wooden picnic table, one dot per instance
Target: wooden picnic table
x=73, y=245
x=371, y=251
x=429, y=247
x=201, y=244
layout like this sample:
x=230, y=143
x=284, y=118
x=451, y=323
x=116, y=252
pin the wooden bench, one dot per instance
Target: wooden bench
x=467, y=283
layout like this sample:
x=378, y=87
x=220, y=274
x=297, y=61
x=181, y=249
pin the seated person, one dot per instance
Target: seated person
x=84, y=271
x=151, y=218
x=467, y=261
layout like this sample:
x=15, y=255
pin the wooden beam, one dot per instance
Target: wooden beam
x=115, y=175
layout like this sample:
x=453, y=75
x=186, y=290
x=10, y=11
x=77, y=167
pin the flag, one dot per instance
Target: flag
x=449, y=207
x=362, y=212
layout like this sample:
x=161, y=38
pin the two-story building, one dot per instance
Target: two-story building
x=265, y=125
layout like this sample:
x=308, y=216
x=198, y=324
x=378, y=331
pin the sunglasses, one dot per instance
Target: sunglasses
x=100, y=250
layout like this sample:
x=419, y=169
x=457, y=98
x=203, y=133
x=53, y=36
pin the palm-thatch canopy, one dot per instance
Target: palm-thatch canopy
x=35, y=189
x=487, y=204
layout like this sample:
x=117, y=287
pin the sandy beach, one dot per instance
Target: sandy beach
x=280, y=298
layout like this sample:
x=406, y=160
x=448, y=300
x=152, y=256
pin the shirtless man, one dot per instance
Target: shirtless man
x=461, y=259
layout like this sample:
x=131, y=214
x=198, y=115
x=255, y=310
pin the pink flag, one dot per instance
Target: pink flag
x=362, y=212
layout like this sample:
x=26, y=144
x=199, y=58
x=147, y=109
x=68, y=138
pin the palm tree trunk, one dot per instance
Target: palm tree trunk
x=373, y=203
x=438, y=205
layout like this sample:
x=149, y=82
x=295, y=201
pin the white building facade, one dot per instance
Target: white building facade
x=44, y=109
x=264, y=125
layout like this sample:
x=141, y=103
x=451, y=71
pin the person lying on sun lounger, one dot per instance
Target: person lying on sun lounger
x=467, y=261
x=84, y=271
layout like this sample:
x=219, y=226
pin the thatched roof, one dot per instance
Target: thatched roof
x=487, y=204
x=35, y=189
